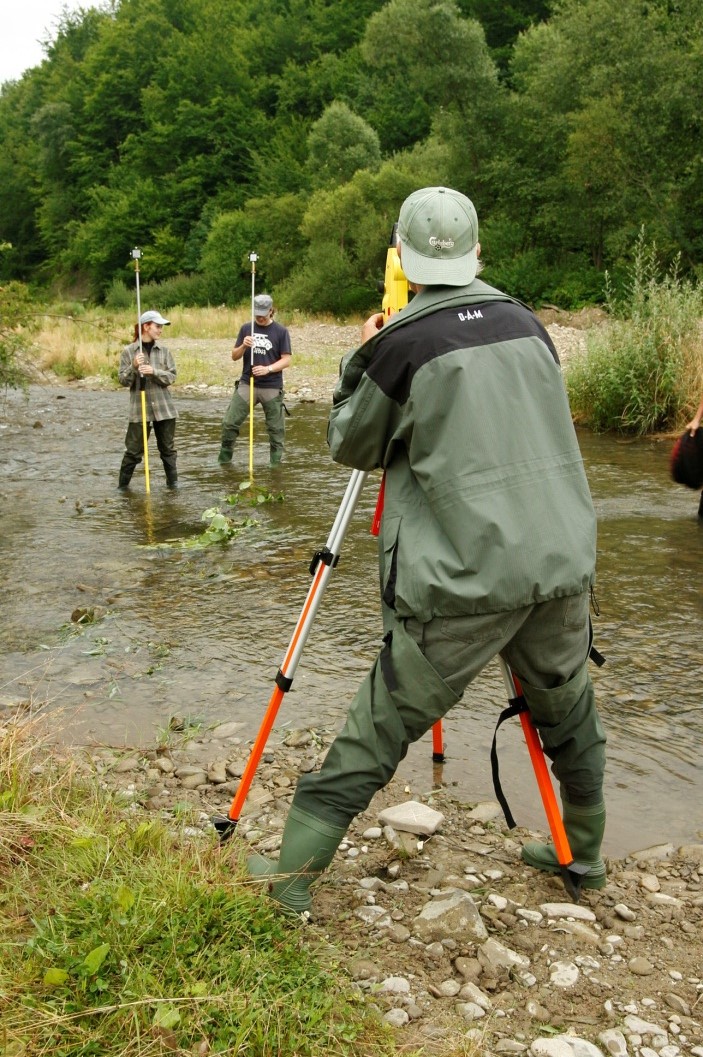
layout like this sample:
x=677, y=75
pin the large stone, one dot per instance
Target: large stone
x=486, y=811
x=227, y=730
x=412, y=817
x=453, y=913
x=564, y=1046
x=567, y=910
x=656, y=852
x=495, y=956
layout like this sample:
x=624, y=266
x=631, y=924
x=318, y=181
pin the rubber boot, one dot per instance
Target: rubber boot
x=225, y=456
x=276, y=456
x=125, y=477
x=307, y=848
x=584, y=827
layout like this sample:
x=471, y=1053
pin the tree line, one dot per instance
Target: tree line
x=200, y=130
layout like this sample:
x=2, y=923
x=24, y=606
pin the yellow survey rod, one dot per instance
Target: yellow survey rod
x=145, y=434
x=253, y=258
x=136, y=254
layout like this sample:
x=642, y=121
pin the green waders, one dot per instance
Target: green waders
x=271, y=401
x=419, y=675
x=165, y=433
x=380, y=726
x=584, y=827
x=570, y=730
x=307, y=848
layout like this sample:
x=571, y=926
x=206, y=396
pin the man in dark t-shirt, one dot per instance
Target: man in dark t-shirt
x=265, y=356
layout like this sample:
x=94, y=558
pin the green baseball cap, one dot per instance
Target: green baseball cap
x=438, y=234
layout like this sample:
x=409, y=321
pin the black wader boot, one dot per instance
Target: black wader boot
x=126, y=471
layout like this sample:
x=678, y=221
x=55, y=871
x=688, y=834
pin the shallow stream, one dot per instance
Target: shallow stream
x=201, y=633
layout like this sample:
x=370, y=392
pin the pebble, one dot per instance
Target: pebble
x=641, y=966
x=624, y=912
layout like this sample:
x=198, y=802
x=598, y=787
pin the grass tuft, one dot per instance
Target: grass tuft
x=122, y=936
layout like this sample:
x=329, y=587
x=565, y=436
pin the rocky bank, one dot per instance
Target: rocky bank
x=447, y=933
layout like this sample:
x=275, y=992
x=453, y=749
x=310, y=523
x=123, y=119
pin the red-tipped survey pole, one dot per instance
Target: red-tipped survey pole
x=572, y=872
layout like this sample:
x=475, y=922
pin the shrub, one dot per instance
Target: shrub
x=15, y=324
x=187, y=290
x=640, y=368
x=326, y=282
x=119, y=296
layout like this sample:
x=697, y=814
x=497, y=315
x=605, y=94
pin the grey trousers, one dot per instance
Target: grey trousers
x=546, y=645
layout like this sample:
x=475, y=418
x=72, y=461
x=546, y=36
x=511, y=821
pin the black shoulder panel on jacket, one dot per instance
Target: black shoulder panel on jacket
x=398, y=357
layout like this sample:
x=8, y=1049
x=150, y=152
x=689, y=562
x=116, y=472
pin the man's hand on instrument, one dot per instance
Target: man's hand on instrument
x=372, y=326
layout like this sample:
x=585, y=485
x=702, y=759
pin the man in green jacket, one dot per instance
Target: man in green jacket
x=487, y=544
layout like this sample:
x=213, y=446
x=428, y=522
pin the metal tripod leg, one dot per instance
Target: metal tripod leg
x=321, y=567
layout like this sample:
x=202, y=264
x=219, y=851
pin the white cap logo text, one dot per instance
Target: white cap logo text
x=441, y=244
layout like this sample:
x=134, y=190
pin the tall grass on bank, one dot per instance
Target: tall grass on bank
x=122, y=937
x=76, y=342
x=643, y=371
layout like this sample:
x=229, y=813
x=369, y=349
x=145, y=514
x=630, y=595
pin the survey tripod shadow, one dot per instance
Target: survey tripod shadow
x=321, y=567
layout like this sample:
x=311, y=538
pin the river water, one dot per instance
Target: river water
x=201, y=633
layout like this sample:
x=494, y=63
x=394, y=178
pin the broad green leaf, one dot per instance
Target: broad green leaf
x=55, y=977
x=166, y=1017
x=95, y=958
x=124, y=897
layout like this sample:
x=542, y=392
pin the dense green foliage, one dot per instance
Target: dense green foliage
x=203, y=129
x=16, y=322
x=638, y=366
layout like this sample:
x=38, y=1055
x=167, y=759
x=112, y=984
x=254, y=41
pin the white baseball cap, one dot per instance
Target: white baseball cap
x=154, y=317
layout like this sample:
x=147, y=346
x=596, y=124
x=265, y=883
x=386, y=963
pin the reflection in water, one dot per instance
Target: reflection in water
x=202, y=632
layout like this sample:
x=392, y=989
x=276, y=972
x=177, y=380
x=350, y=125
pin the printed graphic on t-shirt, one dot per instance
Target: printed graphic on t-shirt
x=262, y=344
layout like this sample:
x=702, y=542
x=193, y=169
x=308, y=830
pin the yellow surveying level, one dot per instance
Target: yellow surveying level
x=395, y=286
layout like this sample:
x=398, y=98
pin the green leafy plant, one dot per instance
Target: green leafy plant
x=221, y=527
x=639, y=370
x=253, y=495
